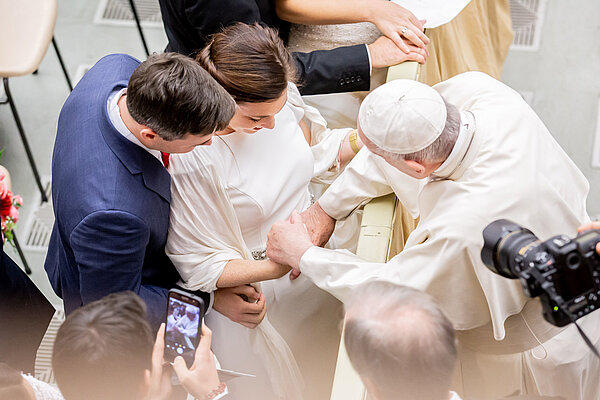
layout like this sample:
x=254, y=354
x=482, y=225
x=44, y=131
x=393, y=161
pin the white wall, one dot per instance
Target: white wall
x=564, y=76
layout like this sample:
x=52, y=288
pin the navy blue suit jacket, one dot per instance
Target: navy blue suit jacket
x=111, y=202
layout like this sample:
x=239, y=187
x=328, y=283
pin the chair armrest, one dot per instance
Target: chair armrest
x=373, y=245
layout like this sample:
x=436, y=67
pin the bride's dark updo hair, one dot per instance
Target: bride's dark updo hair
x=249, y=61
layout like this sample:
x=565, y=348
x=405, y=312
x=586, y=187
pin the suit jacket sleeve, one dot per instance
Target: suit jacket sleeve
x=344, y=69
x=109, y=247
x=368, y=176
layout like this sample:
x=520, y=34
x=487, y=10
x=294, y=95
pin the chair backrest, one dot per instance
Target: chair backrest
x=373, y=245
x=26, y=29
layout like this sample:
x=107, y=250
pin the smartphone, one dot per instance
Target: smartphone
x=183, y=326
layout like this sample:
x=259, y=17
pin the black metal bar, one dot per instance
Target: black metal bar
x=13, y=108
x=21, y=254
x=139, y=27
x=62, y=64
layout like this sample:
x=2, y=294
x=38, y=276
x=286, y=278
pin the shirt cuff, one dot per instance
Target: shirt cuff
x=305, y=259
x=370, y=63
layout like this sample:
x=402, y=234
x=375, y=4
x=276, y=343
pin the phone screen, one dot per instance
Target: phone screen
x=183, y=326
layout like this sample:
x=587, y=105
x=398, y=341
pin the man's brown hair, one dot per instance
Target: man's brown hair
x=103, y=348
x=172, y=95
x=250, y=62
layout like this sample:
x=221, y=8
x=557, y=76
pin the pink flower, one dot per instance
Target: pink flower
x=3, y=189
x=18, y=201
x=2, y=176
x=13, y=214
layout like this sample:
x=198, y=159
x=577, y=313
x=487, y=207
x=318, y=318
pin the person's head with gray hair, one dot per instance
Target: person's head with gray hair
x=400, y=342
x=410, y=125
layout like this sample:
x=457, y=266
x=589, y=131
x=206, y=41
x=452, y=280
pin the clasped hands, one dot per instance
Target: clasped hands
x=287, y=241
x=403, y=38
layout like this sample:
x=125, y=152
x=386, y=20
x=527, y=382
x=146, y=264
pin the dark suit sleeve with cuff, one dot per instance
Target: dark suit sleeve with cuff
x=344, y=69
x=110, y=247
x=189, y=23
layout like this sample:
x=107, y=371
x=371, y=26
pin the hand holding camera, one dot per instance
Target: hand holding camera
x=563, y=272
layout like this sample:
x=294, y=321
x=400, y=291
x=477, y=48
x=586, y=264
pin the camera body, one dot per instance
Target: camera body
x=563, y=272
x=183, y=325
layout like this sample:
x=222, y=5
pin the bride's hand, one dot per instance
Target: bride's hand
x=230, y=302
x=391, y=19
x=385, y=53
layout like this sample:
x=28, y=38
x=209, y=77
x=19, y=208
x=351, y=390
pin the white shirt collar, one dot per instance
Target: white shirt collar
x=455, y=396
x=114, y=114
x=463, y=141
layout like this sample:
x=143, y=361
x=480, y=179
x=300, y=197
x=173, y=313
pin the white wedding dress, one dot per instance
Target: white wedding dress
x=339, y=109
x=225, y=197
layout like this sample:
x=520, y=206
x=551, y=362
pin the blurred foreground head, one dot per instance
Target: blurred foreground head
x=400, y=343
x=103, y=350
x=13, y=385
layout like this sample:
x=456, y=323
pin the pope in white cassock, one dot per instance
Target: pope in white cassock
x=460, y=155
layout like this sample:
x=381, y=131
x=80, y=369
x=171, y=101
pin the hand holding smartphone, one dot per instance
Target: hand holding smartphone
x=183, y=325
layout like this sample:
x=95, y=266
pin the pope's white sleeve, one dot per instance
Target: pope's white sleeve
x=368, y=176
x=440, y=264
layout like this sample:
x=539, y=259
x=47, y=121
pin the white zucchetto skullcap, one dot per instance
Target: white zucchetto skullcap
x=403, y=116
x=191, y=310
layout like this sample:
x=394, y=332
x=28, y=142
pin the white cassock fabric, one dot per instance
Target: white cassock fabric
x=506, y=166
x=187, y=327
x=224, y=200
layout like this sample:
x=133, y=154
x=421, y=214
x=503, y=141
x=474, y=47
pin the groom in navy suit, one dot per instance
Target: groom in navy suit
x=111, y=186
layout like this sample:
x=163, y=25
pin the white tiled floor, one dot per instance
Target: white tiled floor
x=40, y=97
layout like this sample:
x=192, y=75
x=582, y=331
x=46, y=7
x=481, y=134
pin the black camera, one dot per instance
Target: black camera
x=564, y=272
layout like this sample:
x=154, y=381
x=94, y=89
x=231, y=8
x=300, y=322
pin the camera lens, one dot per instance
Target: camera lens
x=502, y=240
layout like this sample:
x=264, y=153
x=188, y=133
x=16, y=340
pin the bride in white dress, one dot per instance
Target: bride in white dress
x=226, y=197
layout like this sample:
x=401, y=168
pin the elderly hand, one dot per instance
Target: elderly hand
x=202, y=377
x=287, y=242
x=395, y=21
x=385, y=53
x=587, y=227
x=160, y=376
x=319, y=224
x=231, y=303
